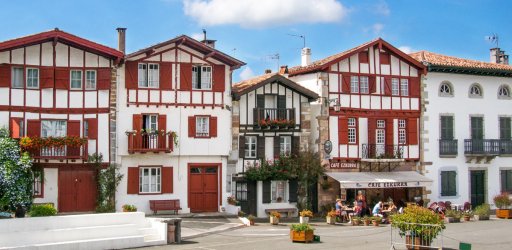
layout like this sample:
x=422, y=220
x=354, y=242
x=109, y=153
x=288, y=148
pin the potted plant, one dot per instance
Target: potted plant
x=452, y=216
x=482, y=212
x=467, y=215
x=356, y=220
x=251, y=219
x=274, y=217
x=301, y=232
x=232, y=200
x=331, y=217
x=129, y=208
x=305, y=215
x=366, y=220
x=419, y=226
x=502, y=202
x=376, y=220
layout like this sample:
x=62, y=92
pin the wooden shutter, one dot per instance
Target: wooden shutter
x=385, y=58
x=505, y=130
x=260, y=101
x=47, y=77
x=363, y=57
x=260, y=151
x=447, y=127
x=444, y=183
x=292, y=190
x=166, y=75
x=33, y=128
x=133, y=180
x=372, y=126
x=295, y=145
x=373, y=84
x=281, y=101
x=93, y=128
x=387, y=85
x=266, y=192
x=162, y=125
x=342, y=130
x=219, y=78
x=412, y=131
x=448, y=183
x=131, y=74
x=241, y=146
x=277, y=146
x=185, y=76
x=389, y=131
x=477, y=132
x=15, y=127
x=213, y=126
x=5, y=75
x=345, y=84
x=137, y=126
x=414, y=87
x=167, y=180
x=62, y=78
x=104, y=78
x=73, y=128
x=191, y=126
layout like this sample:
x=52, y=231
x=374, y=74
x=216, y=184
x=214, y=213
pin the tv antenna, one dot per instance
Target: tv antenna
x=275, y=57
x=300, y=36
x=493, y=39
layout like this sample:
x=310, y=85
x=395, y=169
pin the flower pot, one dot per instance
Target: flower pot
x=301, y=236
x=304, y=220
x=467, y=218
x=481, y=217
x=504, y=213
x=331, y=220
x=356, y=222
x=251, y=222
x=366, y=222
x=274, y=220
x=416, y=243
x=376, y=223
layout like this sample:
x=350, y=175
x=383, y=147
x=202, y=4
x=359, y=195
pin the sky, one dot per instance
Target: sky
x=267, y=33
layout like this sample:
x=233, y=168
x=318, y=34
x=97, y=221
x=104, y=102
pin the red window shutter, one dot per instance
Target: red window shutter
x=414, y=86
x=345, y=84
x=166, y=75
x=219, y=78
x=342, y=130
x=167, y=180
x=387, y=85
x=93, y=128
x=372, y=83
x=131, y=72
x=137, y=123
x=191, y=126
x=15, y=127
x=73, y=128
x=133, y=180
x=104, y=78
x=372, y=126
x=213, y=126
x=412, y=131
x=47, y=77
x=162, y=123
x=389, y=131
x=5, y=75
x=185, y=76
x=385, y=58
x=62, y=78
x=363, y=57
x=33, y=128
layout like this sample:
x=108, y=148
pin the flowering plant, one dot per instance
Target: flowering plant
x=232, y=200
x=39, y=142
x=275, y=214
x=331, y=213
x=306, y=213
x=502, y=201
x=174, y=136
x=263, y=123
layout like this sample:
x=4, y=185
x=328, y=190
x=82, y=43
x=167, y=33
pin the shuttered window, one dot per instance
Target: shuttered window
x=32, y=78
x=505, y=129
x=278, y=191
x=17, y=77
x=448, y=183
x=354, y=84
x=394, y=86
x=401, y=132
x=150, y=180
x=149, y=75
x=477, y=128
x=363, y=85
x=201, y=77
x=446, y=127
x=285, y=145
x=352, y=131
x=202, y=126
x=76, y=79
x=250, y=147
x=404, y=87
x=506, y=181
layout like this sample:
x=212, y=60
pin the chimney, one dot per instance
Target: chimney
x=284, y=71
x=498, y=56
x=121, y=39
x=209, y=43
x=268, y=71
x=305, y=56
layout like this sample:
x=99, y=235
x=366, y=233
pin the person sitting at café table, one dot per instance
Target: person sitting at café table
x=392, y=207
x=357, y=211
x=377, y=209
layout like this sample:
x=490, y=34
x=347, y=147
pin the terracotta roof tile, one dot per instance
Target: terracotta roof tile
x=450, y=61
x=253, y=83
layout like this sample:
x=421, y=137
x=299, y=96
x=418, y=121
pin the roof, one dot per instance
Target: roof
x=443, y=63
x=249, y=85
x=194, y=44
x=395, y=179
x=328, y=61
x=63, y=37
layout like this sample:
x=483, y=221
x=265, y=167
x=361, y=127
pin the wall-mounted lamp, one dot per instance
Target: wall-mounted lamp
x=337, y=104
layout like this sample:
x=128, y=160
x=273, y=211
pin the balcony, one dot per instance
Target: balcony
x=274, y=118
x=482, y=147
x=380, y=151
x=55, y=148
x=150, y=142
x=448, y=148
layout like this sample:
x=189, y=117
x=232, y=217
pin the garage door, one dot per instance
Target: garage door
x=203, y=189
x=77, y=190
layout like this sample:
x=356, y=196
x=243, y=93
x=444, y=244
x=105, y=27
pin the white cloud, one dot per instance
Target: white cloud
x=382, y=8
x=407, y=49
x=246, y=74
x=197, y=36
x=263, y=13
x=377, y=28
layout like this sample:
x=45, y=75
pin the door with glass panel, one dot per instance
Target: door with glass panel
x=380, y=138
x=477, y=135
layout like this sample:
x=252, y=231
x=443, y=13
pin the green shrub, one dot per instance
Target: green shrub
x=42, y=210
x=301, y=227
x=483, y=210
x=129, y=208
x=413, y=219
x=453, y=213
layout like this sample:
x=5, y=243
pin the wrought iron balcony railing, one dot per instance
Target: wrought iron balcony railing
x=380, y=151
x=481, y=147
x=448, y=147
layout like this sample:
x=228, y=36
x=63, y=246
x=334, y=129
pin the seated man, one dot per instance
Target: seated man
x=377, y=209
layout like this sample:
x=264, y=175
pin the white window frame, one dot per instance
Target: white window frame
x=153, y=75
x=402, y=135
x=354, y=84
x=150, y=122
x=142, y=73
x=60, y=126
x=404, y=87
x=202, y=126
x=71, y=79
x=205, y=81
x=278, y=189
x=154, y=185
x=395, y=88
x=381, y=124
x=364, y=85
x=250, y=146
x=285, y=145
x=445, y=89
x=16, y=82
x=86, y=128
x=90, y=79
x=31, y=81
x=352, y=133
x=380, y=136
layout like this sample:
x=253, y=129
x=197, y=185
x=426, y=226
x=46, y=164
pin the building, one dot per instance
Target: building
x=368, y=124
x=467, y=133
x=174, y=136
x=271, y=118
x=56, y=89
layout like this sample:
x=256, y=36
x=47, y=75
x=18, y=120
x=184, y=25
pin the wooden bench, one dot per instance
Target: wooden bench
x=289, y=211
x=157, y=205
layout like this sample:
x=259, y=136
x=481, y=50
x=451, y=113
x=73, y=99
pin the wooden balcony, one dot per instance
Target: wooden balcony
x=380, y=151
x=150, y=142
x=448, y=148
x=60, y=153
x=274, y=118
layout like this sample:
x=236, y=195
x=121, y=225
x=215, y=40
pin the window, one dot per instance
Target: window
x=201, y=77
x=401, y=132
x=505, y=129
x=381, y=124
x=404, y=87
x=202, y=126
x=143, y=75
x=241, y=191
x=250, y=147
x=448, y=183
x=477, y=128
x=381, y=132
x=354, y=84
x=38, y=182
x=76, y=79
x=90, y=79
x=150, y=123
x=394, y=86
x=352, y=138
x=364, y=84
x=445, y=89
x=278, y=191
x=446, y=127
x=506, y=181
x=475, y=91
x=150, y=180
x=285, y=144
x=17, y=77
x=504, y=92
x=53, y=128
x=32, y=78
x=149, y=75
x=86, y=128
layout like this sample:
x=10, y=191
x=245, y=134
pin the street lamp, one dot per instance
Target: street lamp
x=337, y=105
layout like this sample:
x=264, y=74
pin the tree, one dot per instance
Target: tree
x=107, y=181
x=16, y=176
x=308, y=168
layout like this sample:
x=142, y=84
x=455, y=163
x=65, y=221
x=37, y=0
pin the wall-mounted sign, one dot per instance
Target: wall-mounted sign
x=387, y=184
x=327, y=147
x=343, y=165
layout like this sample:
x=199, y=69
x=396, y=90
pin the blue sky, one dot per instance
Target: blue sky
x=255, y=30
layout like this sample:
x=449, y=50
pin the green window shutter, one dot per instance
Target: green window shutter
x=260, y=148
x=447, y=127
x=506, y=180
x=448, y=183
x=505, y=130
x=444, y=183
x=292, y=193
x=477, y=130
x=266, y=192
x=281, y=101
x=260, y=101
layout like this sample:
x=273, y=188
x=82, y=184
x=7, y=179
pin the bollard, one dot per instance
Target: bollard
x=173, y=231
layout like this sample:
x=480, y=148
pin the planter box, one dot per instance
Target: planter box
x=331, y=220
x=481, y=217
x=451, y=220
x=274, y=220
x=416, y=243
x=504, y=213
x=301, y=236
x=304, y=220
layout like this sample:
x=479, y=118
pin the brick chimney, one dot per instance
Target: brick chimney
x=498, y=56
x=305, y=56
x=284, y=71
x=208, y=42
x=121, y=39
x=268, y=71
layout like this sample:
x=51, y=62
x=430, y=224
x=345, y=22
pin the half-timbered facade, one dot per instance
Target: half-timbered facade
x=174, y=127
x=371, y=115
x=271, y=117
x=55, y=91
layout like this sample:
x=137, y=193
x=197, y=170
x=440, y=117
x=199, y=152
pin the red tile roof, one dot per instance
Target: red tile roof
x=450, y=61
x=246, y=86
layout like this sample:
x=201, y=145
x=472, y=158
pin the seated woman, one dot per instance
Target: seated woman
x=377, y=209
x=357, y=211
x=392, y=207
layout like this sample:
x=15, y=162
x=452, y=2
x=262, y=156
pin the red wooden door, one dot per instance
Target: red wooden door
x=203, y=189
x=77, y=190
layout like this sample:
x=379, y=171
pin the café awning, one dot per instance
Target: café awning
x=397, y=179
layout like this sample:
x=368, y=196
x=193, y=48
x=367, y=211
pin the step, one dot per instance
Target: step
x=101, y=243
x=153, y=237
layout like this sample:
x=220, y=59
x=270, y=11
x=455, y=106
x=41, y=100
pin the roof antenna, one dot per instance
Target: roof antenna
x=300, y=36
x=275, y=57
x=204, y=34
x=493, y=39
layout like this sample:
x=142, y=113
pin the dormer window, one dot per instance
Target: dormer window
x=202, y=77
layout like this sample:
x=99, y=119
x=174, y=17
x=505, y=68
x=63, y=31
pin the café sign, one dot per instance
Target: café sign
x=343, y=165
x=387, y=184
